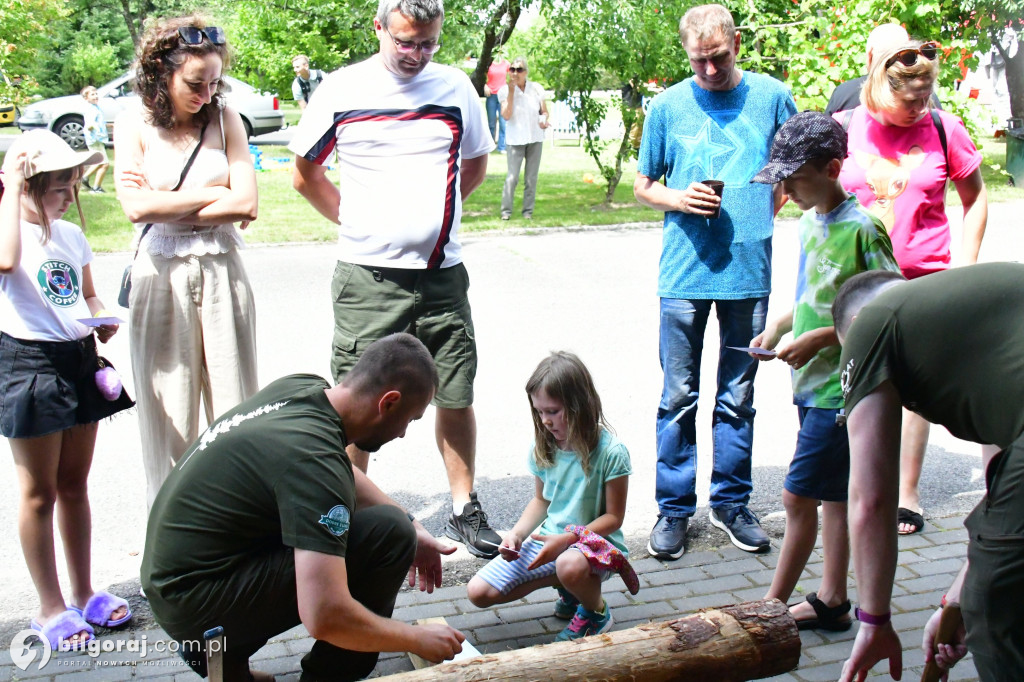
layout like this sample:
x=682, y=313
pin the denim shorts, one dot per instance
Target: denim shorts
x=820, y=469
x=50, y=386
x=432, y=305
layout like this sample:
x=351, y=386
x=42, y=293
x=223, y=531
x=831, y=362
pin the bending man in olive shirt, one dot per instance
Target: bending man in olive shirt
x=950, y=347
x=264, y=523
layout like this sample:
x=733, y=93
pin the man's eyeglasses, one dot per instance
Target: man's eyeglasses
x=191, y=35
x=908, y=57
x=517, y=69
x=427, y=47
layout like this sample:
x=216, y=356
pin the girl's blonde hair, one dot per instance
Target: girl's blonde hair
x=565, y=379
x=39, y=184
x=881, y=84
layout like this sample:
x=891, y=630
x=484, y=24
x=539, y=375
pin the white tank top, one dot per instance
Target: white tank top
x=162, y=168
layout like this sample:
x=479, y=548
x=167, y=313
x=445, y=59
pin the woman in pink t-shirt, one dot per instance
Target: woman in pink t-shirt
x=902, y=155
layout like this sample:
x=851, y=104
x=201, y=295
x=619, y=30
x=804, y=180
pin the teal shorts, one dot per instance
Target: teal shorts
x=432, y=305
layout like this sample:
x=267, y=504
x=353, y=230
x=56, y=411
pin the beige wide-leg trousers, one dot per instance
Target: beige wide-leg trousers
x=193, y=337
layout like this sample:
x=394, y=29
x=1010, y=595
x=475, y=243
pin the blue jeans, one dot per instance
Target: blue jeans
x=494, y=116
x=681, y=341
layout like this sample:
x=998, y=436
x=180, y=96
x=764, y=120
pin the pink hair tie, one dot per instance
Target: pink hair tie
x=604, y=555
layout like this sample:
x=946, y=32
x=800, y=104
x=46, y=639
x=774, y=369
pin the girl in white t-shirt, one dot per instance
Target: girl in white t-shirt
x=581, y=474
x=53, y=386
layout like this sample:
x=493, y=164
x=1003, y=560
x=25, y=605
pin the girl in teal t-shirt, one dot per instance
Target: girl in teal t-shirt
x=581, y=473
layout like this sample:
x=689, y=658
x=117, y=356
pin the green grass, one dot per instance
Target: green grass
x=564, y=198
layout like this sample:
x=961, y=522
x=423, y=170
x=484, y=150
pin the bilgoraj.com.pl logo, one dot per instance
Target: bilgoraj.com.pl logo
x=28, y=645
x=23, y=653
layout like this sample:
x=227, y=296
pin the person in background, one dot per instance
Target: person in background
x=716, y=125
x=581, y=477
x=523, y=106
x=401, y=269
x=50, y=400
x=496, y=77
x=192, y=313
x=94, y=128
x=903, y=153
x=883, y=38
x=306, y=80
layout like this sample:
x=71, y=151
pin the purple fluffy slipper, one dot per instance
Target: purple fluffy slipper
x=99, y=607
x=58, y=631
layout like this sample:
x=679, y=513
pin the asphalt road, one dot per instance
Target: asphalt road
x=589, y=291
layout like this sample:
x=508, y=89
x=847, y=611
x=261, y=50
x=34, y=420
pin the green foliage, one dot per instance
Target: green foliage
x=89, y=65
x=580, y=43
x=26, y=30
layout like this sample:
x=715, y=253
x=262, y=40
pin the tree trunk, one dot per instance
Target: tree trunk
x=1015, y=82
x=747, y=641
x=496, y=34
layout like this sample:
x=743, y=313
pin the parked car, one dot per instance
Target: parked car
x=7, y=113
x=261, y=113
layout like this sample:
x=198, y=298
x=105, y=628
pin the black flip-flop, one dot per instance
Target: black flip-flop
x=913, y=518
x=829, y=618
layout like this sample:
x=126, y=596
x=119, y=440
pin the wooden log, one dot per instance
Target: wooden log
x=746, y=641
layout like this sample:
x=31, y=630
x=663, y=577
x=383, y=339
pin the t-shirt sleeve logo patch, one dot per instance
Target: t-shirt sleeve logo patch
x=846, y=378
x=337, y=520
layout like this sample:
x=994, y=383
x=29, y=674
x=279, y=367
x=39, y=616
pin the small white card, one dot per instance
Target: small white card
x=100, y=321
x=754, y=351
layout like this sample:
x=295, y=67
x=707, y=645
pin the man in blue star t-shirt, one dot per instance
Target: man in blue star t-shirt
x=716, y=125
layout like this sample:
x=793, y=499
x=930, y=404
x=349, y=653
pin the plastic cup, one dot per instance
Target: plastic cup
x=717, y=186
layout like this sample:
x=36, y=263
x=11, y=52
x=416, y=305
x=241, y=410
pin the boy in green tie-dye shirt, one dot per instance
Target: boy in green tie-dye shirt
x=838, y=239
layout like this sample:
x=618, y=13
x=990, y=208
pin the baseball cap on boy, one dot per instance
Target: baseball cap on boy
x=46, y=151
x=805, y=136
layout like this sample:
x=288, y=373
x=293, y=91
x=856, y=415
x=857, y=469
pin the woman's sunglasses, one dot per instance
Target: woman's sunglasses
x=908, y=57
x=190, y=35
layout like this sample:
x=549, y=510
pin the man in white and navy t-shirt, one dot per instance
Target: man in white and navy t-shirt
x=412, y=143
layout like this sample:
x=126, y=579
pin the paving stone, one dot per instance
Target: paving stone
x=915, y=602
x=443, y=594
x=498, y=633
x=819, y=673
x=391, y=666
x=271, y=650
x=745, y=566
x=676, y=576
x=721, y=585
x=691, y=605
x=944, y=551
x=948, y=523
x=654, y=611
x=916, y=541
x=810, y=638
x=784, y=677
x=694, y=559
x=964, y=670
x=651, y=594
x=299, y=647
x=828, y=653
x=99, y=674
x=762, y=577
x=414, y=612
x=509, y=613
x=949, y=566
x=750, y=594
x=928, y=583
x=468, y=621
x=832, y=637
x=906, y=573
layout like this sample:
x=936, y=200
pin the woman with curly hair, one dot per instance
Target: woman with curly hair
x=192, y=312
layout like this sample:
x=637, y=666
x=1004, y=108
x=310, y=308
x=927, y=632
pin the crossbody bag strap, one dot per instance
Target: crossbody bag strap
x=181, y=179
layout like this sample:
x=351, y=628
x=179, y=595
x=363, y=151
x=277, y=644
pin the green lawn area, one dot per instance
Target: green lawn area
x=564, y=198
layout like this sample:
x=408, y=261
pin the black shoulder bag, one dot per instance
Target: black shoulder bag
x=126, y=278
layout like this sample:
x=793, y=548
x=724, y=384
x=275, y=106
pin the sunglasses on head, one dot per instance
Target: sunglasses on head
x=190, y=35
x=517, y=69
x=908, y=57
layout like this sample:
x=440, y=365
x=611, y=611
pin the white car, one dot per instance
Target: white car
x=261, y=113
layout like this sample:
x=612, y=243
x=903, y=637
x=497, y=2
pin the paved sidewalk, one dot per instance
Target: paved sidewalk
x=927, y=564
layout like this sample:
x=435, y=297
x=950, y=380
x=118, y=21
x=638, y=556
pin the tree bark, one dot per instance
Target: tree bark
x=496, y=34
x=747, y=641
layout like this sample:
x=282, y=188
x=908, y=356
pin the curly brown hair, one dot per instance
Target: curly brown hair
x=161, y=53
